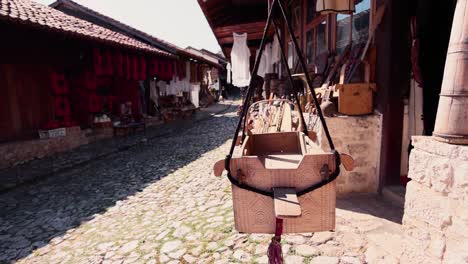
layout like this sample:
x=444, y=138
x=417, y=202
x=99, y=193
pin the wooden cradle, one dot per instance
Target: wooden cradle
x=287, y=163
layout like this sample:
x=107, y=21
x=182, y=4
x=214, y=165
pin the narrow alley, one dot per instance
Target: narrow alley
x=158, y=202
x=233, y=131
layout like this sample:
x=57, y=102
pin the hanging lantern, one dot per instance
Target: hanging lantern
x=335, y=6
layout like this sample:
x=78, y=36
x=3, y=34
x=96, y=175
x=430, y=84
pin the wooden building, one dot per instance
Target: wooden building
x=405, y=60
x=61, y=75
x=44, y=44
x=202, y=61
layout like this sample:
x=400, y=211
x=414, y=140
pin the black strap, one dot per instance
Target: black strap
x=246, y=103
x=311, y=188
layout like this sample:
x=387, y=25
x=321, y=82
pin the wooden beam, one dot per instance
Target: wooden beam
x=248, y=27
x=254, y=32
x=250, y=37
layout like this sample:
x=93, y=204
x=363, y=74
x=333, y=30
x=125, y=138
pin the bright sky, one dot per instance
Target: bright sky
x=180, y=22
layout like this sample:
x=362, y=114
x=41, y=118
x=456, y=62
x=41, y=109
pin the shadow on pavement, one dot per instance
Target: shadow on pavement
x=31, y=216
x=372, y=205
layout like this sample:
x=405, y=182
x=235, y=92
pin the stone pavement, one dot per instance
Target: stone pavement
x=159, y=203
x=38, y=169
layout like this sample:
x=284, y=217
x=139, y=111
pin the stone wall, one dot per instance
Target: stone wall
x=359, y=136
x=436, y=204
x=14, y=153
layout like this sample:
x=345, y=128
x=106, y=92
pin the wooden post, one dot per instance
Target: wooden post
x=452, y=115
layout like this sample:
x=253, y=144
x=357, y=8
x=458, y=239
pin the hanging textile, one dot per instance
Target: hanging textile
x=142, y=92
x=167, y=70
x=142, y=68
x=194, y=73
x=94, y=103
x=163, y=70
x=415, y=69
x=59, y=83
x=185, y=82
x=195, y=95
x=209, y=78
x=153, y=68
x=275, y=51
x=90, y=81
x=97, y=62
x=240, y=61
x=154, y=95
x=162, y=87
x=135, y=66
x=118, y=64
x=62, y=106
x=180, y=65
x=335, y=6
x=111, y=103
x=228, y=69
x=107, y=65
x=128, y=67
x=172, y=87
x=266, y=65
x=172, y=70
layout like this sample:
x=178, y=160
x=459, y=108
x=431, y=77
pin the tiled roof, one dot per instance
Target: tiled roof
x=111, y=21
x=34, y=14
x=60, y=4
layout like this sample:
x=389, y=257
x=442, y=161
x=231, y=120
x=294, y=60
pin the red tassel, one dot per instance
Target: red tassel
x=275, y=254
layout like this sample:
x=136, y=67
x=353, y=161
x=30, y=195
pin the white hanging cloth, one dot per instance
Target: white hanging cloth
x=154, y=96
x=268, y=58
x=228, y=68
x=195, y=95
x=240, y=61
x=275, y=51
x=162, y=87
x=266, y=63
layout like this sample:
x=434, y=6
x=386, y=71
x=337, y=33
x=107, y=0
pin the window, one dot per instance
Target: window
x=316, y=41
x=315, y=32
x=353, y=28
x=321, y=38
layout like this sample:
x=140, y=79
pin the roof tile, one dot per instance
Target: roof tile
x=35, y=14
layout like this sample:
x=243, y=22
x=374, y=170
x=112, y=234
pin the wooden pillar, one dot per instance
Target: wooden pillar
x=452, y=115
x=393, y=78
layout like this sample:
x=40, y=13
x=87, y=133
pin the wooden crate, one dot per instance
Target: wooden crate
x=282, y=160
x=355, y=98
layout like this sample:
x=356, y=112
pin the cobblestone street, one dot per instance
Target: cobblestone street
x=158, y=202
